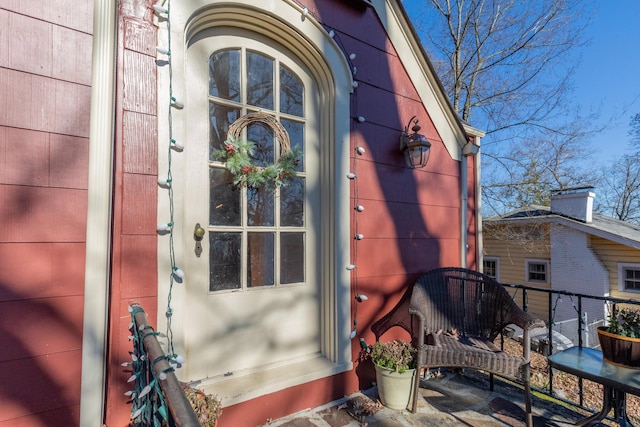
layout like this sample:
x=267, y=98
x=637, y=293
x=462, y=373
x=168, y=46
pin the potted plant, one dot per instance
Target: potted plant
x=620, y=340
x=207, y=407
x=395, y=365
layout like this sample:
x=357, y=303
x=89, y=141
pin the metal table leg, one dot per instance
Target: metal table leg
x=611, y=399
x=608, y=396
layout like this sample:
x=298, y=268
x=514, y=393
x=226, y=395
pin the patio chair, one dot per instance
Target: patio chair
x=460, y=312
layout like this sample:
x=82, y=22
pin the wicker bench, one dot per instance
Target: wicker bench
x=455, y=316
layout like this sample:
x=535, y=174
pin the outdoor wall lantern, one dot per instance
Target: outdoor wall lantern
x=415, y=146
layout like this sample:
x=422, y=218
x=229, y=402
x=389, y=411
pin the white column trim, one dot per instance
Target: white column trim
x=99, y=213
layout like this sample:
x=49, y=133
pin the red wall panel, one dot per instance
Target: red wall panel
x=140, y=143
x=39, y=385
x=45, y=72
x=41, y=270
x=135, y=276
x=39, y=214
x=47, y=326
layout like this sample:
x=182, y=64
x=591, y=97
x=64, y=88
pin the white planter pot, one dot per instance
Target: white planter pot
x=394, y=389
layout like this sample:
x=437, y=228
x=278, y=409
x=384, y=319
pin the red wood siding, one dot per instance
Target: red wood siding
x=45, y=75
x=135, y=265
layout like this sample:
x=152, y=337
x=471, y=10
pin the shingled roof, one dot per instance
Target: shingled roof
x=603, y=226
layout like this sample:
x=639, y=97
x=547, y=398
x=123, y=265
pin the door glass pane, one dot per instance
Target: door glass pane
x=292, y=257
x=224, y=198
x=291, y=100
x=261, y=260
x=296, y=135
x=260, y=206
x=292, y=203
x=224, y=261
x=224, y=74
x=262, y=136
x=259, y=80
x=245, y=222
x=220, y=117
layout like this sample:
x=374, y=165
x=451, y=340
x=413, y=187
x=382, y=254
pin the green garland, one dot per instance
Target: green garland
x=237, y=156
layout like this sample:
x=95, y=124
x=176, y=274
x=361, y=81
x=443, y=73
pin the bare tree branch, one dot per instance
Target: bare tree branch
x=507, y=66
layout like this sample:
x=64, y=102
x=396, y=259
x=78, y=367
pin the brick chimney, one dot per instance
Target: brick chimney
x=576, y=203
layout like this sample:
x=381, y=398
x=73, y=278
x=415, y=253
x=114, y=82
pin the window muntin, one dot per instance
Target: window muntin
x=248, y=226
x=490, y=267
x=629, y=277
x=537, y=271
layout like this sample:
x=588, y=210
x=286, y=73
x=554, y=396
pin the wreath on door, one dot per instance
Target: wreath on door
x=236, y=153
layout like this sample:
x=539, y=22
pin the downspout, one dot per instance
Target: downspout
x=470, y=149
x=464, y=197
x=478, y=192
x=98, y=237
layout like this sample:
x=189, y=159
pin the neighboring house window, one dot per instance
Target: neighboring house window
x=629, y=277
x=537, y=271
x=491, y=267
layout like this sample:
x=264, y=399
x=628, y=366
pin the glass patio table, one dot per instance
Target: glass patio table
x=616, y=380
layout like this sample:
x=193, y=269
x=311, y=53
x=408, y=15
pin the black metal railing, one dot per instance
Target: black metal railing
x=584, y=329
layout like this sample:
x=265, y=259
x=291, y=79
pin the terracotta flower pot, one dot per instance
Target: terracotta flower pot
x=619, y=350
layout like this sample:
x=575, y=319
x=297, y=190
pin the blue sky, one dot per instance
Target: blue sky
x=609, y=75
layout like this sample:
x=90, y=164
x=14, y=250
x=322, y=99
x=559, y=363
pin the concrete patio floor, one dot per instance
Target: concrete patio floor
x=451, y=399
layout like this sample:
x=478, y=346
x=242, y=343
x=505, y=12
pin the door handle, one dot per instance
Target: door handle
x=198, y=234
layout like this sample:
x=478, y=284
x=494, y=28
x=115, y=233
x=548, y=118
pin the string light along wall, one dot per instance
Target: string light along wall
x=163, y=11
x=358, y=208
x=148, y=406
